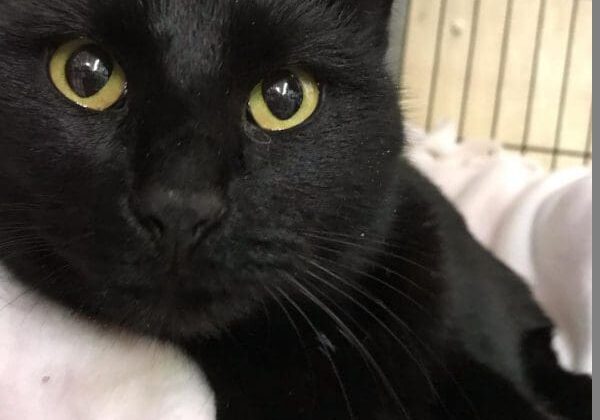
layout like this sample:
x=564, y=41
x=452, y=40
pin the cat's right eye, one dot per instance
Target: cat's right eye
x=87, y=75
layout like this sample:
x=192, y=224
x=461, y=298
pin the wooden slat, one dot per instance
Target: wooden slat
x=519, y=62
x=565, y=162
x=578, y=100
x=419, y=58
x=549, y=76
x=590, y=132
x=446, y=102
x=517, y=71
x=478, y=112
x=543, y=159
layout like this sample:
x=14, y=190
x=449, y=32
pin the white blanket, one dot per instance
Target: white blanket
x=54, y=366
x=537, y=223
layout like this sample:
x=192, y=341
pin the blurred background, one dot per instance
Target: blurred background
x=518, y=72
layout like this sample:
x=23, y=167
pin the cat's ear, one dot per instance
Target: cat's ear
x=375, y=9
x=375, y=14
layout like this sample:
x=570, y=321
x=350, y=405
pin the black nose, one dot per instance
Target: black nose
x=179, y=219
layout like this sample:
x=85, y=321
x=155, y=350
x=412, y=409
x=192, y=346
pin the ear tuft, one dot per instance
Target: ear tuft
x=376, y=14
x=379, y=9
x=386, y=19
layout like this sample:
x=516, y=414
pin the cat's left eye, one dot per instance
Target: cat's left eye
x=284, y=100
x=87, y=74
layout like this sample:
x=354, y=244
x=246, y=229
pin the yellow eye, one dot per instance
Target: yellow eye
x=284, y=100
x=87, y=75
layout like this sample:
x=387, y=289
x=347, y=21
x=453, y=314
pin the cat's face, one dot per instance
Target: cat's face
x=177, y=208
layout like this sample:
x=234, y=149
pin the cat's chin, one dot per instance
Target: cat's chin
x=175, y=323
x=176, y=316
x=152, y=299
x=166, y=306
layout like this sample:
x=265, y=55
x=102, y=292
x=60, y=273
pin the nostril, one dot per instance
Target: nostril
x=153, y=225
x=177, y=218
x=199, y=229
x=204, y=226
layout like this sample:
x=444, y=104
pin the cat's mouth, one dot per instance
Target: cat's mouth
x=173, y=314
x=177, y=304
x=158, y=296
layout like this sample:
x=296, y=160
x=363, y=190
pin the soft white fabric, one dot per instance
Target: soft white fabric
x=54, y=366
x=539, y=224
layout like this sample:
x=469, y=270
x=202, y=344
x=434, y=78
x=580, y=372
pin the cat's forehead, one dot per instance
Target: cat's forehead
x=180, y=22
x=210, y=36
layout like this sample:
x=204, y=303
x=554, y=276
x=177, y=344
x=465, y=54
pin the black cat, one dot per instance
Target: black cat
x=224, y=174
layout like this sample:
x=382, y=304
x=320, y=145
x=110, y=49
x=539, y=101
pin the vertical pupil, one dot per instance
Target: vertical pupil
x=88, y=70
x=283, y=94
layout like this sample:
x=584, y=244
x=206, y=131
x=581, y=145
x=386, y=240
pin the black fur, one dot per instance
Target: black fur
x=340, y=284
